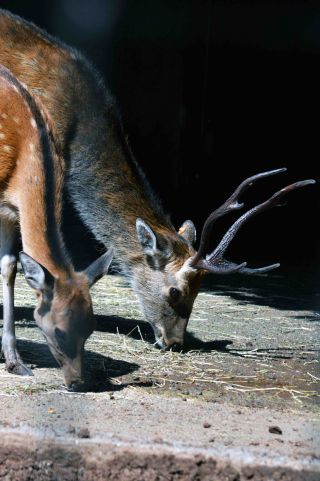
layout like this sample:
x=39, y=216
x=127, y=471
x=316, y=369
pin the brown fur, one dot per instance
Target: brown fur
x=105, y=183
x=22, y=176
x=31, y=182
x=31, y=65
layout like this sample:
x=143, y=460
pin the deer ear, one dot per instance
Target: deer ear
x=36, y=275
x=99, y=267
x=147, y=238
x=188, y=232
x=154, y=247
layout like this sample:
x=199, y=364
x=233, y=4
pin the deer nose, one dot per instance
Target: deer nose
x=76, y=386
x=176, y=347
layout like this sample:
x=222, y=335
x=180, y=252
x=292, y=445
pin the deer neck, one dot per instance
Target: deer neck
x=110, y=192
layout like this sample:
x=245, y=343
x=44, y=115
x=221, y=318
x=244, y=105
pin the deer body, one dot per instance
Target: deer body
x=31, y=181
x=105, y=184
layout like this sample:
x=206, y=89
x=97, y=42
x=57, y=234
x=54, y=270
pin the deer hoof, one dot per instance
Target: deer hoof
x=18, y=368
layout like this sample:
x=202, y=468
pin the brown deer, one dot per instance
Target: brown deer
x=31, y=180
x=109, y=189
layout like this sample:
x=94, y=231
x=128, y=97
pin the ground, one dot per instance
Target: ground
x=243, y=396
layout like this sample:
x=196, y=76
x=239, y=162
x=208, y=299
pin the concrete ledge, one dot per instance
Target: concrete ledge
x=30, y=456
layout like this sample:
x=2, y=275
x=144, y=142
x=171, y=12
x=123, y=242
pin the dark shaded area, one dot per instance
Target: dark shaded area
x=121, y=325
x=284, y=293
x=98, y=368
x=192, y=343
x=211, y=92
x=143, y=331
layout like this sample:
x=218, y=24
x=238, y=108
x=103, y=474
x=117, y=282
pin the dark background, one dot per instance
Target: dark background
x=212, y=92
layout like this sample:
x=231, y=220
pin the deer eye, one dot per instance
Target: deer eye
x=174, y=294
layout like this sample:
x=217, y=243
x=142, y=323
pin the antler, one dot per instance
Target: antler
x=215, y=261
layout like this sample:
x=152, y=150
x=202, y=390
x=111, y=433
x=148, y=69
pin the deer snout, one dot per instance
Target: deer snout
x=71, y=361
x=168, y=341
x=78, y=386
x=72, y=372
x=175, y=347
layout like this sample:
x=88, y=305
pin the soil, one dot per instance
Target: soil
x=245, y=387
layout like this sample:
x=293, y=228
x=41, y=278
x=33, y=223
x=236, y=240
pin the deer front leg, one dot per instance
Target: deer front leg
x=8, y=242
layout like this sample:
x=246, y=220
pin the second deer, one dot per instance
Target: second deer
x=31, y=181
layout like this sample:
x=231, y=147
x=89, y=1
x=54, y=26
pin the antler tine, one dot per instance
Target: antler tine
x=229, y=205
x=215, y=262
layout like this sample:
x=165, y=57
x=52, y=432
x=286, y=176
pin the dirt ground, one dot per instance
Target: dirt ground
x=253, y=345
x=247, y=379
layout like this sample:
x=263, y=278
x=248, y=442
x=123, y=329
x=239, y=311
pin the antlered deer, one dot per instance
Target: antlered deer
x=109, y=189
x=31, y=180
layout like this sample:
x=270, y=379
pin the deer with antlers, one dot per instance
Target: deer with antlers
x=31, y=181
x=108, y=188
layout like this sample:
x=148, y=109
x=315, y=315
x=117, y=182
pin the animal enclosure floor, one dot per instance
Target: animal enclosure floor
x=252, y=345
x=251, y=361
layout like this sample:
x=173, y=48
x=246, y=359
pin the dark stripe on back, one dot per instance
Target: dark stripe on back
x=53, y=236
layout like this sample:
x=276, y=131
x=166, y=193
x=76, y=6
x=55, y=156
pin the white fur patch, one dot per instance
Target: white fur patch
x=7, y=148
x=8, y=212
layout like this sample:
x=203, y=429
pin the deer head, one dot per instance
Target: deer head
x=174, y=265
x=64, y=312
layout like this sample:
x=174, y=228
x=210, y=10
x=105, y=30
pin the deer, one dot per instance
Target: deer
x=31, y=182
x=109, y=189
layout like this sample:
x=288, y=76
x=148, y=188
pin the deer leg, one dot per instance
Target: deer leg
x=8, y=251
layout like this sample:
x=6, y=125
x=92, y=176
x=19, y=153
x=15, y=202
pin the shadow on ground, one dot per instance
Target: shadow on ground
x=283, y=293
x=141, y=330
x=133, y=328
x=101, y=372
x=40, y=356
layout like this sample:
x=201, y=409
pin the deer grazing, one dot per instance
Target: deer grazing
x=108, y=188
x=31, y=181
